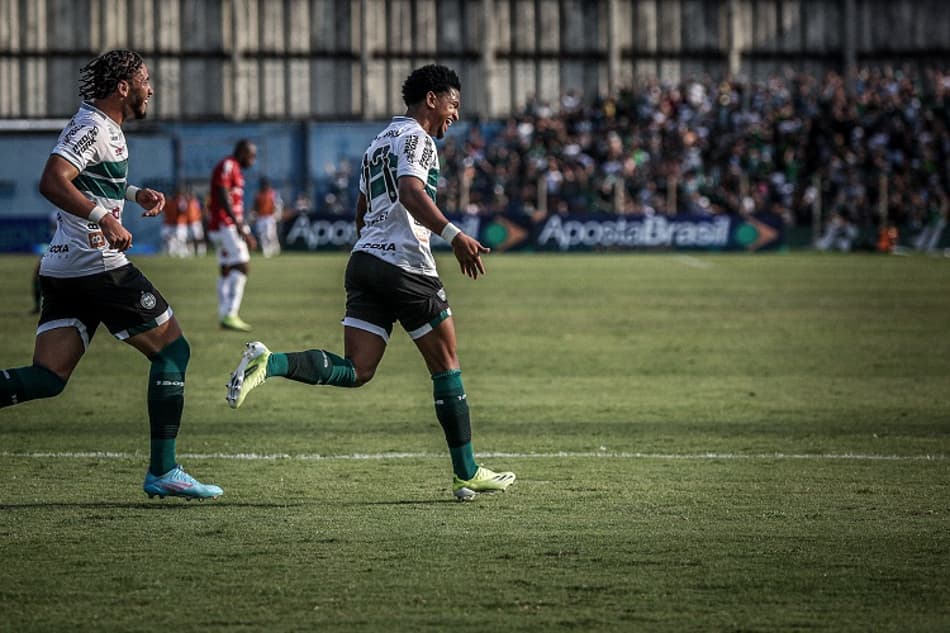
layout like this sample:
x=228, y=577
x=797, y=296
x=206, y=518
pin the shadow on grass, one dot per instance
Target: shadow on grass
x=171, y=506
x=396, y=502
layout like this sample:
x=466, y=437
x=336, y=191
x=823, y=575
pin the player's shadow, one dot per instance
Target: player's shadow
x=398, y=502
x=174, y=505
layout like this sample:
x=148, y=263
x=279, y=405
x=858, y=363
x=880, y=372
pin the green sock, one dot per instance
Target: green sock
x=28, y=383
x=276, y=364
x=463, y=460
x=313, y=367
x=162, y=456
x=166, y=399
x=451, y=408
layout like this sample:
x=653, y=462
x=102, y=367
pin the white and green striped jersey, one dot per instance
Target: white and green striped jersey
x=96, y=146
x=390, y=232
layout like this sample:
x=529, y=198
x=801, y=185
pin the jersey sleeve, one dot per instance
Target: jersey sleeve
x=79, y=144
x=223, y=175
x=415, y=153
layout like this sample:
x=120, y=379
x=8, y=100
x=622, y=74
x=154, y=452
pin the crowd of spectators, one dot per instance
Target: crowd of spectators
x=879, y=142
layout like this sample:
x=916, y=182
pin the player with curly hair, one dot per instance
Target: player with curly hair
x=87, y=279
x=391, y=276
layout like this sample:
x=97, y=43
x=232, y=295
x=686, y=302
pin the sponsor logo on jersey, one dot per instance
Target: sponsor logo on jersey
x=71, y=130
x=97, y=239
x=148, y=300
x=85, y=141
x=427, y=153
x=58, y=248
x=381, y=246
x=381, y=218
x=412, y=143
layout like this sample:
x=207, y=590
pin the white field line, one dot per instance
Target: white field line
x=694, y=262
x=314, y=457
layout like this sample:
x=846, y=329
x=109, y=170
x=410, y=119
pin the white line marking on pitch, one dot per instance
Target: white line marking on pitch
x=694, y=262
x=314, y=457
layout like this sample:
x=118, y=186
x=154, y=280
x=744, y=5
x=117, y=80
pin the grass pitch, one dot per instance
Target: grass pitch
x=752, y=443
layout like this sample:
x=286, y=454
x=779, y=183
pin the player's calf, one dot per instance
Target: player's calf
x=313, y=367
x=166, y=399
x=28, y=383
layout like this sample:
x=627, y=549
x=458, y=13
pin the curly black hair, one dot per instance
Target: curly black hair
x=98, y=79
x=431, y=78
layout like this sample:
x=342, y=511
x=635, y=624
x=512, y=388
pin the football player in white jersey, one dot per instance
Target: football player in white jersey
x=86, y=278
x=391, y=276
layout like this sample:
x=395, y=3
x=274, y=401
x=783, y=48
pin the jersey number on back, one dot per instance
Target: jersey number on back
x=380, y=174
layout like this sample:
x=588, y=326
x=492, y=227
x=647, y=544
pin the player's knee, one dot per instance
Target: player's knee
x=185, y=351
x=363, y=375
x=174, y=356
x=46, y=383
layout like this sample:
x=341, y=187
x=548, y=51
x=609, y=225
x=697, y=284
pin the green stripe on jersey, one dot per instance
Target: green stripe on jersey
x=118, y=169
x=100, y=188
x=433, y=183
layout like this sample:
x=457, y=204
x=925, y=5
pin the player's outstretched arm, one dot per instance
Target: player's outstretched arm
x=56, y=185
x=467, y=249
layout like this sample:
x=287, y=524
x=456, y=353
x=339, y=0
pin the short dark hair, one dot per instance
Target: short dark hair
x=98, y=79
x=431, y=78
x=242, y=145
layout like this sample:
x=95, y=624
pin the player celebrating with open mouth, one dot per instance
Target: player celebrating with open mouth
x=87, y=279
x=392, y=276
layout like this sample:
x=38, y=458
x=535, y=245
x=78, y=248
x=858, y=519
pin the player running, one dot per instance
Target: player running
x=86, y=278
x=392, y=276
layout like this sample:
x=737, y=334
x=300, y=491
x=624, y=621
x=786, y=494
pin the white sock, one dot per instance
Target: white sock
x=237, y=280
x=223, y=297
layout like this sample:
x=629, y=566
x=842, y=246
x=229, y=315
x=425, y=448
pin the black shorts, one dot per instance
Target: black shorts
x=123, y=299
x=379, y=293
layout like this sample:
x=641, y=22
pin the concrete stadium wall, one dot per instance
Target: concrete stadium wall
x=331, y=59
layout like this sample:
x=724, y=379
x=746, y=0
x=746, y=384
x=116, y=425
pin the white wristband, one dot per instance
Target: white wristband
x=131, y=192
x=98, y=212
x=449, y=232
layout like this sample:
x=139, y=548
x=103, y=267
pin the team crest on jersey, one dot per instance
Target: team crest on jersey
x=148, y=300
